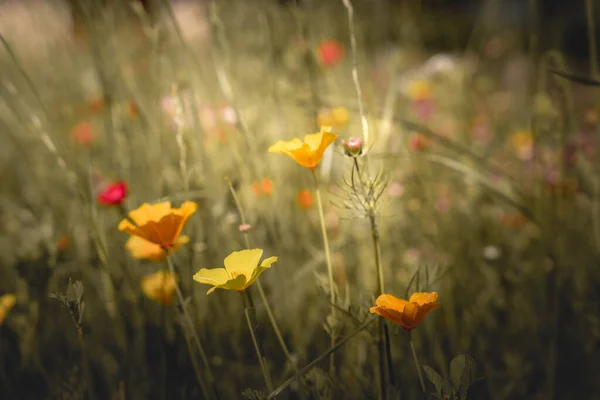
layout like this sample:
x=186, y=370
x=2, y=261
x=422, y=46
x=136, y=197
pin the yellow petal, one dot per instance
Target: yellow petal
x=267, y=262
x=215, y=276
x=142, y=249
x=243, y=262
x=147, y=212
x=159, y=286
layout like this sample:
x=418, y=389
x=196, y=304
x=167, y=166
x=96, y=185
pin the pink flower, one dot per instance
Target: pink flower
x=113, y=194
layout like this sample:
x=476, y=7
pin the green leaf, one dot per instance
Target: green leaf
x=434, y=378
x=462, y=371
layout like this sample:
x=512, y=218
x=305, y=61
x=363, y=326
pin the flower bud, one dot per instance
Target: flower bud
x=353, y=146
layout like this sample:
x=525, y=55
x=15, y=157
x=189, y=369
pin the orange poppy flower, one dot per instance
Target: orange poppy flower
x=159, y=286
x=308, y=153
x=409, y=313
x=159, y=223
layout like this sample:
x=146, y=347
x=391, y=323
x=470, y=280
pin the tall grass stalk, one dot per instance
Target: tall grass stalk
x=191, y=328
x=329, y=267
x=251, y=320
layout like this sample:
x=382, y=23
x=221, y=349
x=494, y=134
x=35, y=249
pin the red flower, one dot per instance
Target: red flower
x=113, y=194
x=330, y=52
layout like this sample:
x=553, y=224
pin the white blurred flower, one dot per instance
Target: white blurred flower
x=491, y=252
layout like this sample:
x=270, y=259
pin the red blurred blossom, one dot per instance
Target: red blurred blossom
x=83, y=133
x=418, y=142
x=113, y=194
x=264, y=186
x=424, y=109
x=64, y=242
x=330, y=52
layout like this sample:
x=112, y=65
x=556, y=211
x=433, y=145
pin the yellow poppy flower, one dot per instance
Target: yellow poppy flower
x=522, y=143
x=337, y=118
x=241, y=270
x=142, y=249
x=6, y=303
x=159, y=286
x=308, y=153
x=159, y=223
x=405, y=313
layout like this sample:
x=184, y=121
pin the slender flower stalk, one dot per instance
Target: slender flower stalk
x=417, y=365
x=249, y=312
x=329, y=266
x=191, y=328
x=385, y=352
x=263, y=297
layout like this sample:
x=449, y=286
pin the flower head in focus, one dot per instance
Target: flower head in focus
x=241, y=270
x=113, y=194
x=409, y=313
x=159, y=286
x=159, y=223
x=308, y=153
x=353, y=146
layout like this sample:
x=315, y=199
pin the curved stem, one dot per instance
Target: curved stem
x=417, y=365
x=329, y=266
x=263, y=296
x=191, y=328
x=248, y=309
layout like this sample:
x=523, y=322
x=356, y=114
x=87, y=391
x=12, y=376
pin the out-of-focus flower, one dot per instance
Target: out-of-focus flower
x=7, y=302
x=412, y=256
x=133, y=110
x=159, y=286
x=96, y=105
x=418, y=141
x=305, y=199
x=395, y=189
x=584, y=143
x=229, y=115
x=308, y=153
x=113, y=194
x=337, y=118
x=491, y=253
x=419, y=90
x=513, y=219
x=241, y=270
x=63, y=243
x=424, y=108
x=522, y=143
x=144, y=250
x=83, y=133
x=409, y=313
x=330, y=52
x=264, y=186
x=159, y=223
x=245, y=227
x=353, y=146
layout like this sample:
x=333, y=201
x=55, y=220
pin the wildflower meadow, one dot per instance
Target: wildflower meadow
x=261, y=199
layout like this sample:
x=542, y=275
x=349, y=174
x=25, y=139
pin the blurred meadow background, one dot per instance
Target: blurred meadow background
x=475, y=176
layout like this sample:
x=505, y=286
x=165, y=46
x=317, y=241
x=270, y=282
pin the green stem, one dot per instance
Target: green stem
x=589, y=13
x=191, y=328
x=86, y=364
x=263, y=296
x=248, y=309
x=313, y=363
x=417, y=365
x=329, y=266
